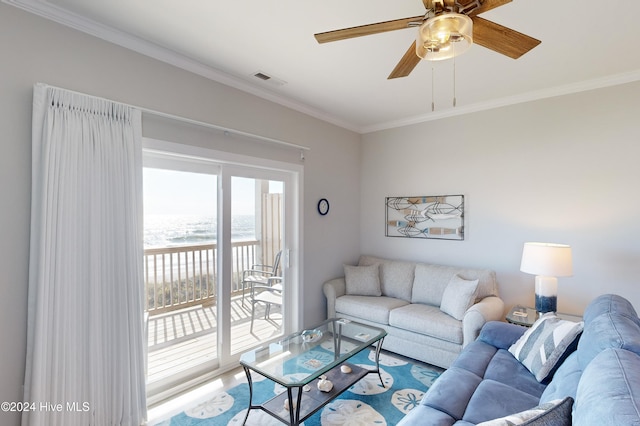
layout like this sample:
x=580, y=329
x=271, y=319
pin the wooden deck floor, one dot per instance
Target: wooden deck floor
x=183, y=339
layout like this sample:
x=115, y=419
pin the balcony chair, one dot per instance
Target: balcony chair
x=260, y=274
x=270, y=294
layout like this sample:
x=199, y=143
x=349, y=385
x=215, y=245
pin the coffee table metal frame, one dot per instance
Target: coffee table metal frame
x=292, y=402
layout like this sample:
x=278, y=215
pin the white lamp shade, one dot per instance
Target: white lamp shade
x=546, y=259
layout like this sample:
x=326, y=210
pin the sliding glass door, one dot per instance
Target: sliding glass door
x=217, y=264
x=257, y=242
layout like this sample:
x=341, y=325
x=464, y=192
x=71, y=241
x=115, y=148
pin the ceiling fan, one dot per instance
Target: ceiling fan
x=485, y=33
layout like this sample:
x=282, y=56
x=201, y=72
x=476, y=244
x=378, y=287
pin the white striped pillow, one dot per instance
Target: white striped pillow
x=544, y=344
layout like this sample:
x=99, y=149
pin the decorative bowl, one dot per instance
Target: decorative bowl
x=310, y=336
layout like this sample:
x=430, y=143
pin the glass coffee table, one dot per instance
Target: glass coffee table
x=297, y=361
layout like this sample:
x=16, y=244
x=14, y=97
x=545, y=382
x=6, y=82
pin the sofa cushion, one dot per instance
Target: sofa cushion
x=607, y=330
x=371, y=308
x=545, y=344
x=439, y=395
x=396, y=277
x=609, y=390
x=488, y=362
x=476, y=357
x=610, y=303
x=501, y=334
x=565, y=380
x=428, y=320
x=436, y=417
x=505, y=369
x=362, y=280
x=431, y=280
x=494, y=399
x=552, y=413
x=458, y=296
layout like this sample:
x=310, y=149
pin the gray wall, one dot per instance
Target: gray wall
x=36, y=50
x=562, y=170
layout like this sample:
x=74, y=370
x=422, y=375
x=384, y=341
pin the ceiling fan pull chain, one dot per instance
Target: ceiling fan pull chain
x=454, y=75
x=433, y=104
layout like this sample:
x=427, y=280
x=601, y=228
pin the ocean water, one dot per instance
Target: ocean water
x=187, y=230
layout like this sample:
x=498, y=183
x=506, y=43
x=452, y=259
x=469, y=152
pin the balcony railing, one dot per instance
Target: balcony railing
x=179, y=277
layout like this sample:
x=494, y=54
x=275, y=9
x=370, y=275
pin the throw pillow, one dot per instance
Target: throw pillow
x=362, y=280
x=552, y=413
x=429, y=283
x=545, y=344
x=458, y=296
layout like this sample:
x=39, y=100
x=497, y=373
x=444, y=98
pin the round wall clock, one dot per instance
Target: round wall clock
x=323, y=206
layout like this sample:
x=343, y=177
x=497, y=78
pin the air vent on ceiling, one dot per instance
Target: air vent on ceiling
x=269, y=79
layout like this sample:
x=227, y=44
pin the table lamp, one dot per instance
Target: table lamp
x=546, y=261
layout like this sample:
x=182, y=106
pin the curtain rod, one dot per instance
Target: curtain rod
x=225, y=130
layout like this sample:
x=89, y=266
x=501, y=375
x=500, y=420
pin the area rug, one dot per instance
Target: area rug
x=365, y=403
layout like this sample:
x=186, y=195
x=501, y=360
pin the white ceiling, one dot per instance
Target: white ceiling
x=585, y=44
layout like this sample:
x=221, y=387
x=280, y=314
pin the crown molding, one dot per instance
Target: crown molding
x=62, y=16
x=583, y=86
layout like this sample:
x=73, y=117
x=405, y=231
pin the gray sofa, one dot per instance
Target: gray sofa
x=408, y=304
x=597, y=384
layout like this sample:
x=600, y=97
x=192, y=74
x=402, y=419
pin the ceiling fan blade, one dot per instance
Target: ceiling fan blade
x=369, y=29
x=406, y=64
x=501, y=39
x=488, y=5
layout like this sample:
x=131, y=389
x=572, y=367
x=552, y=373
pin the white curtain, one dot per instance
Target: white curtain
x=86, y=349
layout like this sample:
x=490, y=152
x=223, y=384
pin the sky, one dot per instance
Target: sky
x=170, y=192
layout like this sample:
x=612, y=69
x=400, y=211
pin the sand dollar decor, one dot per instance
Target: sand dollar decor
x=406, y=400
x=343, y=412
x=424, y=375
x=388, y=360
x=370, y=384
x=219, y=404
x=366, y=403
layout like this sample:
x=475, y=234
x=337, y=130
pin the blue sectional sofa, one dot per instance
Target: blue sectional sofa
x=596, y=384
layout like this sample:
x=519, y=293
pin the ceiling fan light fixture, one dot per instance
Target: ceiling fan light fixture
x=444, y=36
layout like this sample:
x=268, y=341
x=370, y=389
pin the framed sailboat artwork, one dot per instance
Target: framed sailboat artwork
x=434, y=217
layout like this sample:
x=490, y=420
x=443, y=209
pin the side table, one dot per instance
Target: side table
x=526, y=316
